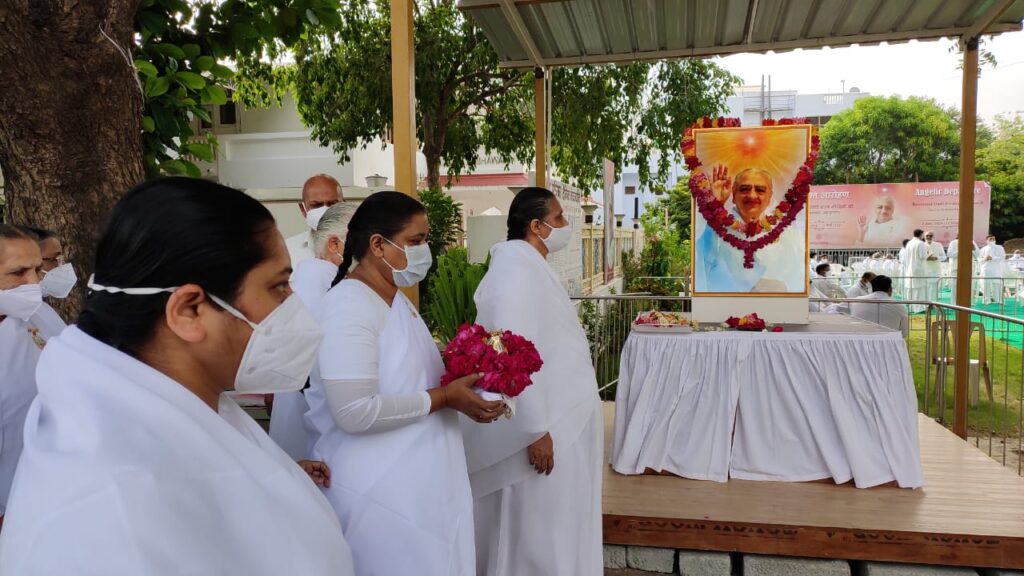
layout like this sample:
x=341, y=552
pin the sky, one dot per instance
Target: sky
x=910, y=69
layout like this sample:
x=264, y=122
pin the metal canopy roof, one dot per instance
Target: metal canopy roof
x=529, y=33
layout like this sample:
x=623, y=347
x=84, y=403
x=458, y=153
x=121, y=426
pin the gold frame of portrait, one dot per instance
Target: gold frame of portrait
x=806, y=215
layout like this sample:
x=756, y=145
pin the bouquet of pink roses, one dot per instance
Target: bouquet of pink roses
x=506, y=360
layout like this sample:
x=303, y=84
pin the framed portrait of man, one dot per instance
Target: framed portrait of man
x=750, y=218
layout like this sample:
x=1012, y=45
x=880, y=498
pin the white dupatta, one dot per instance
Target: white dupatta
x=521, y=293
x=125, y=471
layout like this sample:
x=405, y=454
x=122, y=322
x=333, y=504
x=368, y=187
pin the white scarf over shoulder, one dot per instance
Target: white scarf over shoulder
x=521, y=293
x=125, y=471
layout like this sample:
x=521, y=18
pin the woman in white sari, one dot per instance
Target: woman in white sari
x=537, y=477
x=135, y=461
x=399, y=482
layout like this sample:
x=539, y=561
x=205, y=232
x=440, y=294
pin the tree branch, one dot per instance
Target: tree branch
x=482, y=97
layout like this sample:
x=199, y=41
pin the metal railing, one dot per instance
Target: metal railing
x=995, y=418
x=1005, y=293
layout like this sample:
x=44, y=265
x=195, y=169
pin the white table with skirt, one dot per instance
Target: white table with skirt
x=831, y=399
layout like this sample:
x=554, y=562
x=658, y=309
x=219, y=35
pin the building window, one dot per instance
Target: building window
x=630, y=189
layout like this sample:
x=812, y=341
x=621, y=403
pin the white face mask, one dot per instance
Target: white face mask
x=558, y=239
x=418, y=261
x=21, y=302
x=991, y=242
x=280, y=352
x=57, y=283
x=313, y=216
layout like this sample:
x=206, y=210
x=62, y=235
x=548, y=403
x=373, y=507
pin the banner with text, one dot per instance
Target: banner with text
x=882, y=215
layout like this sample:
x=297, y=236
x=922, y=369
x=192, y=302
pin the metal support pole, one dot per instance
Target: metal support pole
x=540, y=118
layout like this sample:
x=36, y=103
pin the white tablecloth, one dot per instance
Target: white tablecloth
x=790, y=406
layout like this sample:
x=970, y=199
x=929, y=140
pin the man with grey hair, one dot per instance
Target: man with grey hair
x=319, y=193
x=310, y=281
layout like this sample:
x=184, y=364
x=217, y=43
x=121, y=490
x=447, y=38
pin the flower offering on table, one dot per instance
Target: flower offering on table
x=750, y=323
x=506, y=360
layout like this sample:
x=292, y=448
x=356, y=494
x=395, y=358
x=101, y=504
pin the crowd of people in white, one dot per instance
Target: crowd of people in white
x=123, y=450
x=920, y=273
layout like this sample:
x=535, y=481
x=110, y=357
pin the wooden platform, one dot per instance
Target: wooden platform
x=971, y=513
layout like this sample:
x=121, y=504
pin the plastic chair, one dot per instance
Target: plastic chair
x=977, y=365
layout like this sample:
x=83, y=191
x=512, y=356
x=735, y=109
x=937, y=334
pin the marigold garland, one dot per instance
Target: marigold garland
x=718, y=218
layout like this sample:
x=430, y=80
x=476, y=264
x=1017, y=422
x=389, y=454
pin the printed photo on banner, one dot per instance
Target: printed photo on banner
x=750, y=188
x=883, y=215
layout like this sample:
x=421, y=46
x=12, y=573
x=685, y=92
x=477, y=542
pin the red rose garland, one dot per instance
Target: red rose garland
x=719, y=219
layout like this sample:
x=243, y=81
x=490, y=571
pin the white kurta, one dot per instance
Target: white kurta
x=777, y=267
x=992, y=261
x=300, y=247
x=529, y=524
x=890, y=313
x=915, y=269
x=952, y=253
x=125, y=471
x=933, y=268
x=859, y=289
x=21, y=343
x=310, y=280
x=403, y=494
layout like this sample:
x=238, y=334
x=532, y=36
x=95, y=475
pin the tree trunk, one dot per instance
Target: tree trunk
x=433, y=167
x=70, y=142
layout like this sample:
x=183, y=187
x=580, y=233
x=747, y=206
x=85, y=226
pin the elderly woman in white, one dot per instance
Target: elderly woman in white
x=311, y=279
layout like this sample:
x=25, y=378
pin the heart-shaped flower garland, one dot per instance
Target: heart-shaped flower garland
x=714, y=212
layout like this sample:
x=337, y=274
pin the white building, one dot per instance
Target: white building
x=269, y=154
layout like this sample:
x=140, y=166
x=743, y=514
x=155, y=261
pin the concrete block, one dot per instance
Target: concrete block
x=614, y=556
x=888, y=569
x=699, y=563
x=661, y=560
x=786, y=566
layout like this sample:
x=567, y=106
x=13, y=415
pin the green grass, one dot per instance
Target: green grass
x=1000, y=416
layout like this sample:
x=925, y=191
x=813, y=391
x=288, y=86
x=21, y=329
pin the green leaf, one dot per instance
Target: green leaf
x=151, y=22
x=244, y=31
x=173, y=167
x=203, y=151
x=190, y=80
x=204, y=63
x=156, y=86
x=146, y=68
x=191, y=51
x=202, y=113
x=192, y=170
x=148, y=124
x=311, y=17
x=214, y=94
x=222, y=72
x=170, y=50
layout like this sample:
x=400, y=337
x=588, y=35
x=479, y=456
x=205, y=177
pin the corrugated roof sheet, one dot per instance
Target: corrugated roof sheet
x=526, y=33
